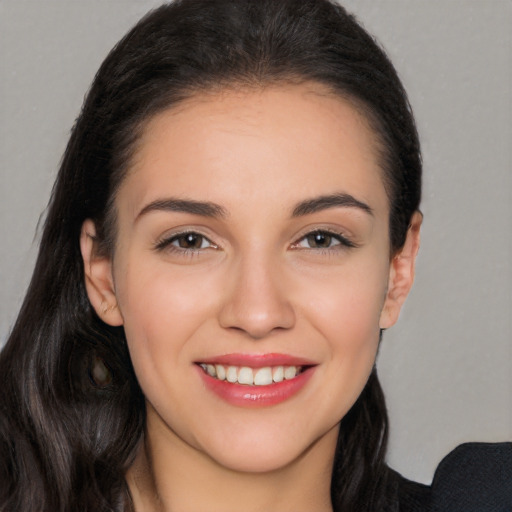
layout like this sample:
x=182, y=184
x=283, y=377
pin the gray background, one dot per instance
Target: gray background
x=447, y=366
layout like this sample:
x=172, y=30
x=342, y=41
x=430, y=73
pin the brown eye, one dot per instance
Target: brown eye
x=320, y=240
x=192, y=241
x=187, y=242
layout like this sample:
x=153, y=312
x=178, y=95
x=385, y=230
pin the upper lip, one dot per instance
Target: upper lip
x=257, y=360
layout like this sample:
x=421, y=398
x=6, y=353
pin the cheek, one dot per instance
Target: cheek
x=350, y=324
x=162, y=310
x=349, y=300
x=345, y=310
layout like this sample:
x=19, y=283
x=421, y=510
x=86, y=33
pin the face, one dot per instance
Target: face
x=251, y=271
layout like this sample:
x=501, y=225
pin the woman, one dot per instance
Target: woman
x=179, y=351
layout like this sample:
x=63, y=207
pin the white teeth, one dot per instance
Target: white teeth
x=210, y=369
x=290, y=372
x=278, y=374
x=231, y=374
x=249, y=376
x=263, y=377
x=245, y=376
x=221, y=372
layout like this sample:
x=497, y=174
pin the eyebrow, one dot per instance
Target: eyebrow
x=320, y=203
x=213, y=210
x=171, y=204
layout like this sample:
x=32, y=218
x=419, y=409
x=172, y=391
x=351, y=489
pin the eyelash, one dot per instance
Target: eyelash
x=343, y=241
x=168, y=243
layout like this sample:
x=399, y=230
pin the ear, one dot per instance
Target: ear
x=98, y=277
x=401, y=274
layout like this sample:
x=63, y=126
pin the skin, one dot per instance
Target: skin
x=257, y=284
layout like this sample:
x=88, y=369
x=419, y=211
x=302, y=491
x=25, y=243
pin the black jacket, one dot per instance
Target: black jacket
x=475, y=477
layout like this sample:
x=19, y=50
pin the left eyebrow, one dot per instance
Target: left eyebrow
x=320, y=203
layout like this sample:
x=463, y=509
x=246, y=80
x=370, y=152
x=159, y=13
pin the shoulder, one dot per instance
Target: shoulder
x=475, y=477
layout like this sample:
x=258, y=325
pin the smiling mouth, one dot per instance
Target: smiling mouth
x=252, y=376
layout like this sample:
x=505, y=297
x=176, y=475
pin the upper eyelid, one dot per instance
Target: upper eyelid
x=184, y=230
x=339, y=234
x=167, y=239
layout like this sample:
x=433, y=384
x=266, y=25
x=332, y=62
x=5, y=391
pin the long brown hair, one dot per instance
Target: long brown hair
x=66, y=440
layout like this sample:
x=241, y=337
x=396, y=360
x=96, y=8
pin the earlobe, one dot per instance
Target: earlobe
x=401, y=274
x=98, y=277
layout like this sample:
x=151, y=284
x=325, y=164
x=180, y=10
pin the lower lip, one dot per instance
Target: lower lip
x=256, y=396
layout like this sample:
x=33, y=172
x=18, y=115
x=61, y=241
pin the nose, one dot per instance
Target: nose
x=256, y=300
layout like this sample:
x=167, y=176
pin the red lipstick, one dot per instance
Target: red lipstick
x=245, y=395
x=258, y=360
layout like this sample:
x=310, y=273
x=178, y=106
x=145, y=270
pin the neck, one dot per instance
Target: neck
x=169, y=475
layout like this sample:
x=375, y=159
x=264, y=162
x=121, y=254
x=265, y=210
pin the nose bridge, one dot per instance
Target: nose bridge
x=257, y=301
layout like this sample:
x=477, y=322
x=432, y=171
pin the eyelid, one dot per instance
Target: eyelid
x=345, y=241
x=165, y=242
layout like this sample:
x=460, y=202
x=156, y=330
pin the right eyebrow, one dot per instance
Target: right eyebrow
x=171, y=204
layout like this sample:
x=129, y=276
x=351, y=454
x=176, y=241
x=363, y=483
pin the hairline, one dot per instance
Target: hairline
x=169, y=102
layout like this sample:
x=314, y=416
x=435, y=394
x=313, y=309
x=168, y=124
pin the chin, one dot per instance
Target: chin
x=263, y=451
x=252, y=460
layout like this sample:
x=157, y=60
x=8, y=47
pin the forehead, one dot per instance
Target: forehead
x=282, y=142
